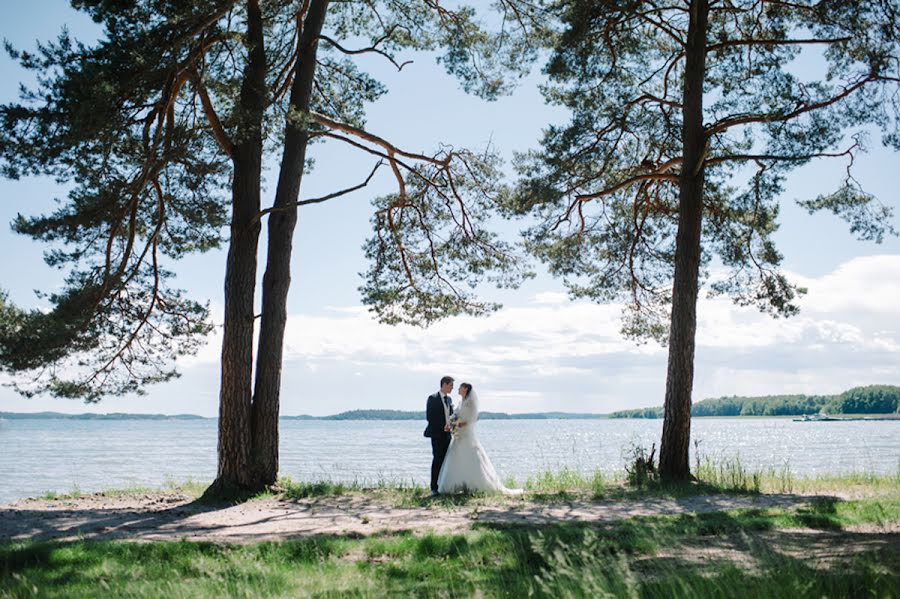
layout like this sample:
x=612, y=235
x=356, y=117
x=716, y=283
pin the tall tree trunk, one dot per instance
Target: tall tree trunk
x=277, y=278
x=673, y=453
x=235, y=441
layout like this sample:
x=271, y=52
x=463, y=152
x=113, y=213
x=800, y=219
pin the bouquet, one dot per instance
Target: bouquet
x=454, y=425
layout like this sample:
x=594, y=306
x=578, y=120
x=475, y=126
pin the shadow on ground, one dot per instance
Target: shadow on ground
x=167, y=517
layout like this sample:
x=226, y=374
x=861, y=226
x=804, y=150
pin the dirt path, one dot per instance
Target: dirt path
x=174, y=516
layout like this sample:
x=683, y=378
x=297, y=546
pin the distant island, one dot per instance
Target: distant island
x=351, y=415
x=401, y=415
x=110, y=416
x=873, y=399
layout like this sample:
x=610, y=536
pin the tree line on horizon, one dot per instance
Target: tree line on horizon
x=685, y=119
x=348, y=415
x=872, y=399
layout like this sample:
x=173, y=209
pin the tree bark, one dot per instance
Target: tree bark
x=673, y=453
x=277, y=278
x=234, y=449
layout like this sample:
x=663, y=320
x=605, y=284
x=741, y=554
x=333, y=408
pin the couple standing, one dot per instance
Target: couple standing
x=459, y=462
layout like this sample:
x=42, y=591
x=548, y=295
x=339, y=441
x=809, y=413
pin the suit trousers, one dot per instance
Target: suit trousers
x=439, y=446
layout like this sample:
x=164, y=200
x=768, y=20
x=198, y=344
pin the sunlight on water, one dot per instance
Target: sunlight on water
x=57, y=455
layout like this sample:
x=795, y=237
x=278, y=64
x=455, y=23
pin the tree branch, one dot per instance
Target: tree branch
x=652, y=98
x=776, y=157
x=209, y=110
x=772, y=117
x=372, y=138
x=773, y=42
x=320, y=200
x=626, y=183
x=371, y=49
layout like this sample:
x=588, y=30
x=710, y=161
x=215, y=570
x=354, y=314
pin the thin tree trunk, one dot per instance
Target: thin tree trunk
x=277, y=278
x=673, y=452
x=240, y=272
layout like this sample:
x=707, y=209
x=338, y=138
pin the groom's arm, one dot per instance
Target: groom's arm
x=429, y=411
x=434, y=413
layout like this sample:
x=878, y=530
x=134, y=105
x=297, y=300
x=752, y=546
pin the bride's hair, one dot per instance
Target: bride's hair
x=468, y=387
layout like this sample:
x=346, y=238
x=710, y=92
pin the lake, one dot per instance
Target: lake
x=59, y=455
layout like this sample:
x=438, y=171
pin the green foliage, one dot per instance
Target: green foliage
x=874, y=399
x=141, y=193
x=428, y=251
x=144, y=123
x=860, y=209
x=604, y=187
x=641, y=469
x=639, y=413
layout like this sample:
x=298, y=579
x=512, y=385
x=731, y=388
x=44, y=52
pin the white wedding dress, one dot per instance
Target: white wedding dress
x=467, y=467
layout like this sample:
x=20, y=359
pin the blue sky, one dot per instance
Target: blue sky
x=541, y=352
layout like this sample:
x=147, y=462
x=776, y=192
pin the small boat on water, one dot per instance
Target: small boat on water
x=816, y=418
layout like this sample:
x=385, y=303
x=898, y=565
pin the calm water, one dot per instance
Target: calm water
x=56, y=455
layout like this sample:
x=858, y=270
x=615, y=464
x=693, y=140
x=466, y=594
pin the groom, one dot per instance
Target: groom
x=438, y=410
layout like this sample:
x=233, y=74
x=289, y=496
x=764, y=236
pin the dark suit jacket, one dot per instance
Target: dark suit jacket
x=437, y=420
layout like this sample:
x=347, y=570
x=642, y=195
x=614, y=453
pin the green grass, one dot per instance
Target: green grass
x=636, y=557
x=190, y=488
x=861, y=483
x=566, y=482
x=727, y=476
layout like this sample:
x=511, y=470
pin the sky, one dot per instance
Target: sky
x=542, y=351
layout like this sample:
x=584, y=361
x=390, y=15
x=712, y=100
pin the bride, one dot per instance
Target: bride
x=467, y=466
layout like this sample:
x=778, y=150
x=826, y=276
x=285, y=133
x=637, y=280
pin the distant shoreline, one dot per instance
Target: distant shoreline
x=412, y=416
x=872, y=402
x=384, y=415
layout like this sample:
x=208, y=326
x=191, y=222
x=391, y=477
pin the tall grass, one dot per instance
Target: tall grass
x=728, y=475
x=566, y=482
x=189, y=487
x=592, y=571
x=639, y=478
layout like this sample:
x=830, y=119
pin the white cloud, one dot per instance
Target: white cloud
x=868, y=286
x=555, y=354
x=550, y=297
x=523, y=396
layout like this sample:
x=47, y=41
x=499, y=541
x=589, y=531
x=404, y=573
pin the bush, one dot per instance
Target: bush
x=641, y=469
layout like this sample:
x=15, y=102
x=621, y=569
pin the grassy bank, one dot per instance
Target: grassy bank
x=842, y=543
x=815, y=551
x=727, y=476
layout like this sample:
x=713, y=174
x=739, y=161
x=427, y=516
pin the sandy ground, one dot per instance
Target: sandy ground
x=166, y=516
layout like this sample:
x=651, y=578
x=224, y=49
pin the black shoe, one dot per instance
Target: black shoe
x=434, y=494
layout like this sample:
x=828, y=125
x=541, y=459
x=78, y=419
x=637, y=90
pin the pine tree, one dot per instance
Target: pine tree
x=686, y=118
x=162, y=127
